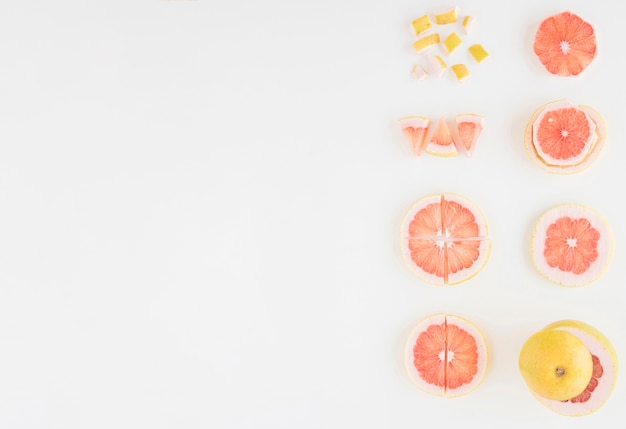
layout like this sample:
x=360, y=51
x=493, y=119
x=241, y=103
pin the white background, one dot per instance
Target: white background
x=200, y=205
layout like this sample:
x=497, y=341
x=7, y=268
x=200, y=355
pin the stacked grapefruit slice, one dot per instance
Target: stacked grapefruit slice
x=564, y=138
x=444, y=239
x=446, y=355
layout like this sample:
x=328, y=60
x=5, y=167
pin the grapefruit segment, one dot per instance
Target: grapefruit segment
x=465, y=258
x=415, y=129
x=565, y=44
x=469, y=127
x=441, y=142
x=446, y=355
x=571, y=245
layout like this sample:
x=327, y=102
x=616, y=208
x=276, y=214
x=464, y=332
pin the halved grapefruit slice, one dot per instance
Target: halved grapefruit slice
x=441, y=142
x=469, y=127
x=444, y=239
x=571, y=245
x=570, y=142
x=604, y=370
x=565, y=44
x=415, y=129
x=446, y=355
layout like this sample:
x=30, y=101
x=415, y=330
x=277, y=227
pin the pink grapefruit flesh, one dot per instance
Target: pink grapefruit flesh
x=565, y=44
x=571, y=245
x=444, y=239
x=415, y=129
x=441, y=142
x=469, y=127
x=446, y=355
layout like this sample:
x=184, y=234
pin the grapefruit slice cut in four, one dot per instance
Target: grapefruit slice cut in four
x=444, y=239
x=446, y=355
x=442, y=141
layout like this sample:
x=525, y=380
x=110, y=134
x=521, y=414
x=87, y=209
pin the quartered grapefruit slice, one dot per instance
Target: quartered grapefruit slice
x=441, y=142
x=469, y=127
x=564, y=138
x=444, y=239
x=565, y=44
x=571, y=245
x=446, y=355
x=415, y=129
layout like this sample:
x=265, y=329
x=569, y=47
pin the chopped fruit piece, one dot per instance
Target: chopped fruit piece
x=437, y=65
x=469, y=128
x=468, y=24
x=421, y=24
x=447, y=17
x=478, y=52
x=441, y=143
x=415, y=129
x=460, y=71
x=451, y=42
x=426, y=41
x=419, y=72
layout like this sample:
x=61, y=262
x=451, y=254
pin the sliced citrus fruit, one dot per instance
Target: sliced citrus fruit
x=451, y=42
x=604, y=373
x=460, y=71
x=444, y=239
x=446, y=355
x=447, y=17
x=441, y=142
x=421, y=44
x=571, y=245
x=468, y=24
x=437, y=65
x=415, y=129
x=419, y=73
x=478, y=52
x=563, y=138
x=565, y=44
x=469, y=127
x=421, y=24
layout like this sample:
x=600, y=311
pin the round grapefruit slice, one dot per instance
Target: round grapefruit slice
x=563, y=138
x=571, y=245
x=444, y=239
x=604, y=370
x=565, y=44
x=446, y=355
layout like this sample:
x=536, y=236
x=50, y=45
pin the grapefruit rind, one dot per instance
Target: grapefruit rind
x=478, y=52
x=469, y=127
x=419, y=73
x=604, y=246
x=461, y=72
x=436, y=65
x=447, y=356
x=447, y=17
x=593, y=153
x=600, y=346
x=415, y=129
x=451, y=42
x=468, y=24
x=441, y=141
x=422, y=44
x=421, y=24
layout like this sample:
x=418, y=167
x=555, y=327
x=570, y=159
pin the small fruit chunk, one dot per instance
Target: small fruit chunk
x=447, y=17
x=555, y=364
x=441, y=142
x=469, y=127
x=565, y=44
x=451, y=42
x=415, y=129
x=468, y=24
x=446, y=355
x=460, y=71
x=436, y=65
x=478, y=52
x=419, y=73
x=421, y=24
x=421, y=44
x=571, y=245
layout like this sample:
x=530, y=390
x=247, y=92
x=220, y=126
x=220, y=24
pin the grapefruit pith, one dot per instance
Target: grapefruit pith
x=444, y=239
x=565, y=44
x=446, y=355
x=571, y=245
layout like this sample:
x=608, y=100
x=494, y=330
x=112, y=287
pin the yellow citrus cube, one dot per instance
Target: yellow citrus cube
x=426, y=41
x=447, y=17
x=451, y=43
x=478, y=52
x=421, y=24
x=460, y=71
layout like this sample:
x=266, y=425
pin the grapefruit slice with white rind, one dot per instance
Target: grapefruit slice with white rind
x=441, y=142
x=566, y=168
x=469, y=127
x=415, y=129
x=446, y=355
x=444, y=239
x=571, y=245
x=604, y=372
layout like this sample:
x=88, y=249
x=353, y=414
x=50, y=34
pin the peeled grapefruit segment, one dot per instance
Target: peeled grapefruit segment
x=604, y=374
x=441, y=142
x=469, y=127
x=565, y=44
x=446, y=355
x=563, y=138
x=444, y=239
x=415, y=129
x=571, y=245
